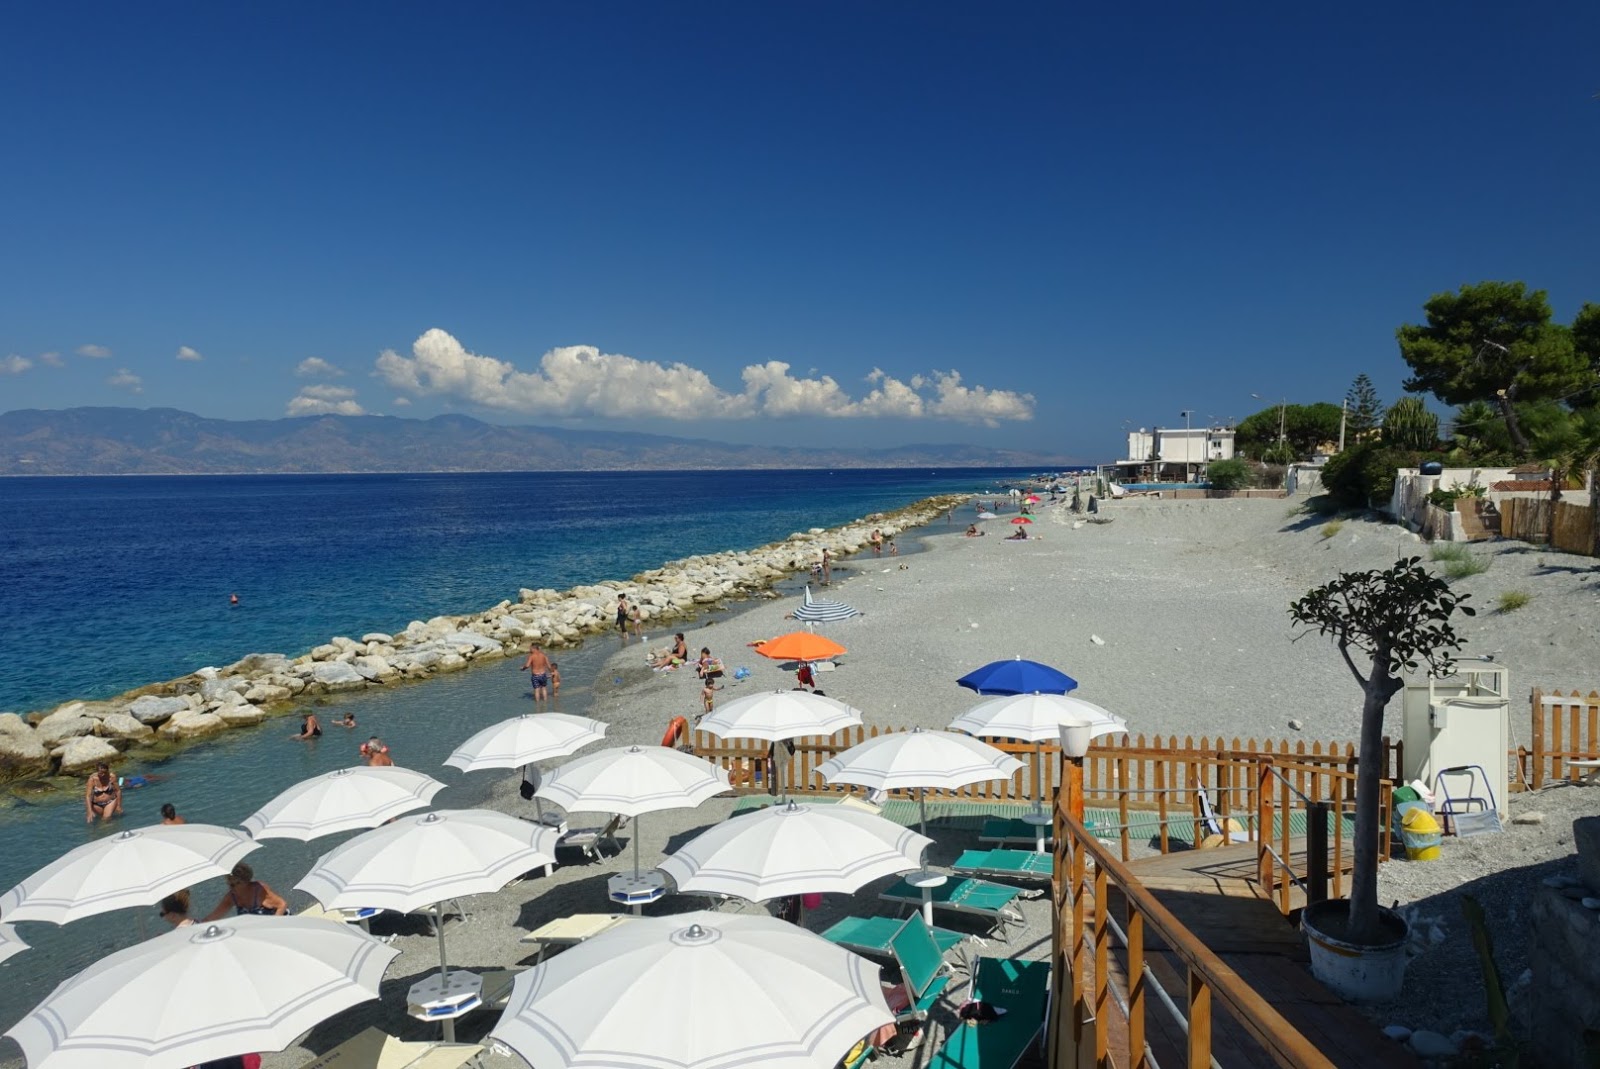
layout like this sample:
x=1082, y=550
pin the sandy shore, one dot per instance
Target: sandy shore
x=1174, y=614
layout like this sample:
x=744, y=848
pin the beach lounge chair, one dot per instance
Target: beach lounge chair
x=592, y=841
x=373, y=1049
x=570, y=930
x=870, y=936
x=1010, y=864
x=1003, y=831
x=924, y=974
x=1022, y=989
x=994, y=901
x=1213, y=826
x=866, y=805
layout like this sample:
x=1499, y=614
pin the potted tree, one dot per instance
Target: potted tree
x=1396, y=619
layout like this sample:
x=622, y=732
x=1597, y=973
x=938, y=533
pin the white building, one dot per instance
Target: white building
x=1175, y=454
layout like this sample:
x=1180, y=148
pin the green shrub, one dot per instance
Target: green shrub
x=1469, y=564
x=1364, y=474
x=1331, y=529
x=1409, y=425
x=1447, y=551
x=1226, y=476
x=1512, y=600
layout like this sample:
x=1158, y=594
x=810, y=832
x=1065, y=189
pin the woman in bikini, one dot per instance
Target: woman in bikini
x=103, y=796
x=676, y=656
x=246, y=894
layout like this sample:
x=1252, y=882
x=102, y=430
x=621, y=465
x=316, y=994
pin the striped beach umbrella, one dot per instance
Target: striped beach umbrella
x=823, y=610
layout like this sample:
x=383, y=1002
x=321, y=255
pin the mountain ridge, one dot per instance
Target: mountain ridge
x=170, y=441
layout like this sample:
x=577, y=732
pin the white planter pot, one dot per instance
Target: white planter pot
x=1354, y=971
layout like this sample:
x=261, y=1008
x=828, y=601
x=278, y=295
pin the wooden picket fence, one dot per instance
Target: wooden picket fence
x=1124, y=771
x=1528, y=519
x=1562, y=728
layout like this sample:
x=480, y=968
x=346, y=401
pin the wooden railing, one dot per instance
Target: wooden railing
x=1326, y=797
x=1082, y=1017
x=1562, y=727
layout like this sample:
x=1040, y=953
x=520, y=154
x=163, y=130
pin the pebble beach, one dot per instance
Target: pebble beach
x=1173, y=614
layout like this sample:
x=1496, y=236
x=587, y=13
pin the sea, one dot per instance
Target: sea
x=110, y=583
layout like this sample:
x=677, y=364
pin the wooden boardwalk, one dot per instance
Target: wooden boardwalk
x=1214, y=893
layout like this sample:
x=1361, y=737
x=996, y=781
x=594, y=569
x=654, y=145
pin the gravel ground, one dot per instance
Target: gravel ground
x=1173, y=614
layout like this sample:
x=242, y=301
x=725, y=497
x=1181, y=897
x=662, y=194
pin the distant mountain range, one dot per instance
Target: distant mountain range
x=166, y=441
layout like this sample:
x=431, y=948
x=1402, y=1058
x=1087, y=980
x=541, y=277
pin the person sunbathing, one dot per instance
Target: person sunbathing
x=678, y=654
x=1020, y=536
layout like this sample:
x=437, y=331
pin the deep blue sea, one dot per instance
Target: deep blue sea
x=111, y=583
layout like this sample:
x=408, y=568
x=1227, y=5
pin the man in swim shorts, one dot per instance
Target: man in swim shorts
x=538, y=665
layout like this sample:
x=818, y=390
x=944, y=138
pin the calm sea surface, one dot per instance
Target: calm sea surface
x=111, y=583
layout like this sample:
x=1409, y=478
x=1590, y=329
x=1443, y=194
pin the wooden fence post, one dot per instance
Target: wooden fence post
x=1538, y=737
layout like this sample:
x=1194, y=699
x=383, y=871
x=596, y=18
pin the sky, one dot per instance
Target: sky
x=1022, y=225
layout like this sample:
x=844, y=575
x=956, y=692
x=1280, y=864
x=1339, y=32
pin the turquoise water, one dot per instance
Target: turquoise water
x=124, y=593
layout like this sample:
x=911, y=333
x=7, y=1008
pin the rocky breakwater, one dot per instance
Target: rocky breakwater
x=72, y=739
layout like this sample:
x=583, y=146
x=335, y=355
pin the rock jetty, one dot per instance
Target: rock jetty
x=73, y=738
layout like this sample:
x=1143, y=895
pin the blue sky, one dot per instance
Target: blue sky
x=875, y=223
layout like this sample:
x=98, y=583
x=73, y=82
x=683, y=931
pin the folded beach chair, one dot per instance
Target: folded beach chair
x=1213, y=825
x=1022, y=989
x=924, y=974
x=866, y=805
x=871, y=936
x=1003, y=831
x=994, y=901
x=372, y=1049
x=592, y=841
x=1013, y=864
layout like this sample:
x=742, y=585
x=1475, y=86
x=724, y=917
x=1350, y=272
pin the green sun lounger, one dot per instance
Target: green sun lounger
x=980, y=897
x=1004, y=831
x=871, y=936
x=923, y=969
x=1014, y=864
x=1022, y=989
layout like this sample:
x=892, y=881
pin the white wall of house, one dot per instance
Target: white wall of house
x=1181, y=445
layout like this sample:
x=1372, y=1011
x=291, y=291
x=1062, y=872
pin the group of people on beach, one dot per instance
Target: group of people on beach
x=545, y=673
x=878, y=541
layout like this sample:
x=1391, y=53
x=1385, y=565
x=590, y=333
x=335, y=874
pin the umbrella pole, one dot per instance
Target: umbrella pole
x=444, y=972
x=1038, y=776
x=636, y=848
x=922, y=803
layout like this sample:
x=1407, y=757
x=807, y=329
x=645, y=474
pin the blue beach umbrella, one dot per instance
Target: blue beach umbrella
x=1017, y=677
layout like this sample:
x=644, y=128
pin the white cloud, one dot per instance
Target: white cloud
x=126, y=380
x=315, y=365
x=401, y=402
x=579, y=380
x=14, y=365
x=325, y=401
x=94, y=352
x=186, y=353
x=52, y=359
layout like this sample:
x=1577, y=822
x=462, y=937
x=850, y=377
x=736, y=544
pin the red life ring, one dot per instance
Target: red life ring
x=678, y=726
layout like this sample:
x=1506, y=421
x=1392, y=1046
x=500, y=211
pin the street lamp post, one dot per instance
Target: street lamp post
x=1283, y=406
x=1188, y=445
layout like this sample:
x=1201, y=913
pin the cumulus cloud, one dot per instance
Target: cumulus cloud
x=401, y=402
x=186, y=353
x=52, y=360
x=325, y=401
x=579, y=380
x=14, y=365
x=94, y=352
x=316, y=366
x=126, y=380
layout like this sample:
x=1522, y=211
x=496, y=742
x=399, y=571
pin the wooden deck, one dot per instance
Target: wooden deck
x=1214, y=893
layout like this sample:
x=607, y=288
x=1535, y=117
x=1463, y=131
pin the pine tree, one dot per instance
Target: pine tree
x=1363, y=410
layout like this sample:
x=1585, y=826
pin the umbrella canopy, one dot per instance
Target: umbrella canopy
x=822, y=610
x=768, y=993
x=633, y=780
x=987, y=515
x=425, y=858
x=347, y=799
x=9, y=942
x=1036, y=717
x=780, y=714
x=800, y=646
x=1021, y=519
x=918, y=758
x=136, y=867
x=794, y=849
x=203, y=992
x=523, y=740
x=1017, y=676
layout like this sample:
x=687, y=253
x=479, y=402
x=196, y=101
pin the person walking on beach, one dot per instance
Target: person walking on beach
x=622, y=616
x=827, y=567
x=555, y=679
x=636, y=620
x=708, y=694
x=538, y=666
x=877, y=542
x=248, y=895
x=103, y=796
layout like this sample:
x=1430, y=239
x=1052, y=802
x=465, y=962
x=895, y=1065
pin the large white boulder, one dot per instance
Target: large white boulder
x=213, y=689
x=153, y=710
x=337, y=675
x=80, y=755
x=377, y=636
x=21, y=753
x=374, y=668
x=190, y=725
x=66, y=724
x=239, y=716
x=266, y=694
x=324, y=652
x=123, y=726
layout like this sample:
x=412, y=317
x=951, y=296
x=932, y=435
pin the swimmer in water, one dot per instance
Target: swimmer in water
x=233, y=599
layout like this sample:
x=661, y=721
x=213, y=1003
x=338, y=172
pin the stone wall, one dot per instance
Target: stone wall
x=1564, y=1001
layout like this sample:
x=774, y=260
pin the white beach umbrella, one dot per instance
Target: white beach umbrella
x=346, y=799
x=203, y=992
x=10, y=943
x=794, y=849
x=761, y=992
x=136, y=867
x=1036, y=718
x=426, y=859
x=632, y=780
x=942, y=760
x=524, y=740
x=781, y=714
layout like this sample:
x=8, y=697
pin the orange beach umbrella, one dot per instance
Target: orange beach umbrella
x=800, y=646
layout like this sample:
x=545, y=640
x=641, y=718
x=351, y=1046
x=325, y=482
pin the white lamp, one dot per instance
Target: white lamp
x=1075, y=738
